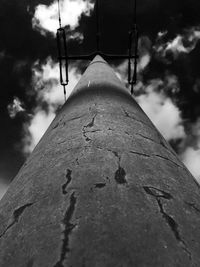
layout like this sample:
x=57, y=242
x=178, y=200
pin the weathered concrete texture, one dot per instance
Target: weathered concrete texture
x=101, y=189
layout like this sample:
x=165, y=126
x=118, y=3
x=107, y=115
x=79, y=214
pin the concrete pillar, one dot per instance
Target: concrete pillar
x=101, y=189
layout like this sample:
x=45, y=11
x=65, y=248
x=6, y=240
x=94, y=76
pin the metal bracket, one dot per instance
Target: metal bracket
x=63, y=56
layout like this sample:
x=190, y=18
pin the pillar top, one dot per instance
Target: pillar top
x=97, y=75
x=98, y=59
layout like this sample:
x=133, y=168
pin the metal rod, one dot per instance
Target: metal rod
x=135, y=31
x=129, y=59
x=64, y=89
x=59, y=15
x=97, y=26
x=134, y=80
x=64, y=57
x=92, y=55
x=66, y=61
x=59, y=55
x=135, y=12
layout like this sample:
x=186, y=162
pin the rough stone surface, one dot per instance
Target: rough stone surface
x=101, y=189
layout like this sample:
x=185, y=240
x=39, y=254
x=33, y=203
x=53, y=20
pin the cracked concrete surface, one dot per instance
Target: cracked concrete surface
x=16, y=216
x=89, y=125
x=102, y=188
x=158, y=194
x=68, y=228
x=69, y=178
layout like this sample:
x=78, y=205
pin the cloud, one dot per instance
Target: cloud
x=46, y=82
x=36, y=128
x=191, y=158
x=182, y=43
x=162, y=111
x=46, y=17
x=144, y=51
x=143, y=62
x=176, y=45
x=190, y=149
x=15, y=107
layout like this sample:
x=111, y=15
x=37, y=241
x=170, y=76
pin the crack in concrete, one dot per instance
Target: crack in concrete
x=69, y=178
x=70, y=119
x=120, y=174
x=56, y=125
x=152, y=140
x=161, y=142
x=173, y=225
x=165, y=158
x=139, y=153
x=93, y=131
x=62, y=142
x=193, y=206
x=142, y=154
x=16, y=216
x=89, y=125
x=133, y=118
x=165, y=146
x=110, y=129
x=107, y=178
x=68, y=228
x=78, y=117
x=87, y=139
x=157, y=192
x=115, y=154
x=146, y=137
x=100, y=185
x=126, y=113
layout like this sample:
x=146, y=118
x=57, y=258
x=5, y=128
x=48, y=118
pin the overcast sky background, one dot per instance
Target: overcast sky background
x=168, y=87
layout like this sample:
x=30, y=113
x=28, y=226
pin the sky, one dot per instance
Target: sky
x=168, y=86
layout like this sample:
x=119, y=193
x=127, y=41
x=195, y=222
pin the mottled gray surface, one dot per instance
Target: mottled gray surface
x=101, y=189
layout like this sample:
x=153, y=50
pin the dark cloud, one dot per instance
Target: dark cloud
x=174, y=17
x=20, y=46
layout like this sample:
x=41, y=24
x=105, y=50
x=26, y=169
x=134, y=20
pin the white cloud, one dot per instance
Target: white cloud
x=191, y=158
x=191, y=150
x=15, y=107
x=35, y=130
x=176, y=45
x=143, y=62
x=46, y=82
x=161, y=34
x=171, y=83
x=46, y=17
x=144, y=51
x=182, y=43
x=194, y=135
x=161, y=110
x=122, y=70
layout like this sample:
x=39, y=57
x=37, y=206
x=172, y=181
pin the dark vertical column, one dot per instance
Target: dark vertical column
x=101, y=189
